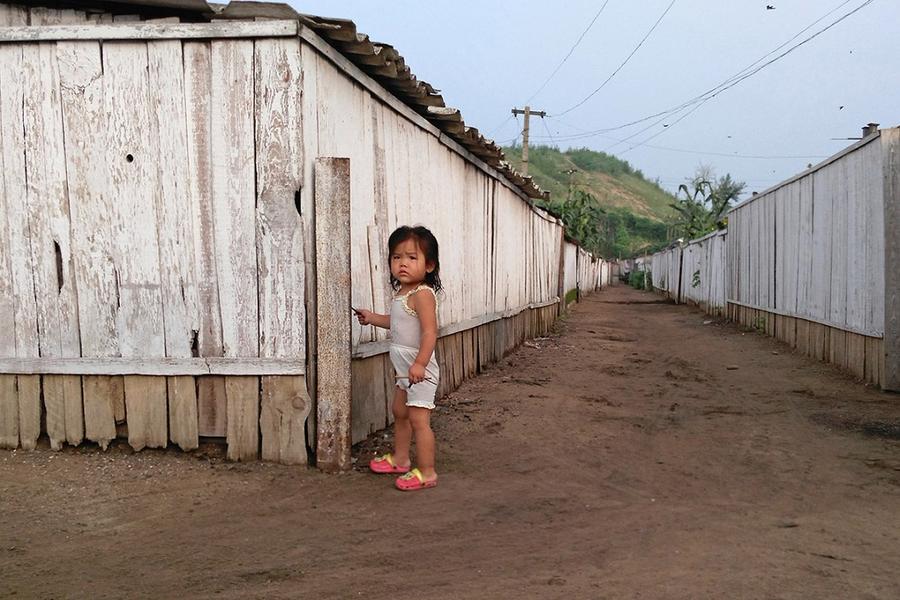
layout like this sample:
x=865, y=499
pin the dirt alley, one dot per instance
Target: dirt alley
x=645, y=452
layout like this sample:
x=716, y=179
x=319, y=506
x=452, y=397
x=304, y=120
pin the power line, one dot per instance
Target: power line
x=737, y=77
x=492, y=131
x=625, y=62
x=571, y=50
x=547, y=129
x=686, y=151
x=745, y=76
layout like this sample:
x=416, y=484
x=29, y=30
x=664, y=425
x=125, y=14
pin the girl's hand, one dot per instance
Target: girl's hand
x=416, y=373
x=364, y=316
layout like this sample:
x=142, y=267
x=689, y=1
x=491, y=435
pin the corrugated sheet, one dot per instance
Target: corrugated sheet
x=381, y=61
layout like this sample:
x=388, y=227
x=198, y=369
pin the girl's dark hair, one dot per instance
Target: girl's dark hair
x=429, y=245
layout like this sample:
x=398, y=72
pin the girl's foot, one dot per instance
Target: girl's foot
x=386, y=464
x=414, y=480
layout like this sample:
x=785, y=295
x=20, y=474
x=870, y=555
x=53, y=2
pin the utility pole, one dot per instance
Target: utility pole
x=527, y=112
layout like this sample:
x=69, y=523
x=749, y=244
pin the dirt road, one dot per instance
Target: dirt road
x=643, y=453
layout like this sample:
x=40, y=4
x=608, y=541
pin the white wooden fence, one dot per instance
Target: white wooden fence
x=158, y=266
x=694, y=273
x=812, y=261
x=807, y=260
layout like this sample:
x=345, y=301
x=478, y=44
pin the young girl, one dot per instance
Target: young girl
x=415, y=278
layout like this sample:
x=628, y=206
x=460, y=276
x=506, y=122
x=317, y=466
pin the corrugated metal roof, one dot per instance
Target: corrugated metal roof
x=379, y=60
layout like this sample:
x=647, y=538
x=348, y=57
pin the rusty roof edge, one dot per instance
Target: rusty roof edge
x=421, y=96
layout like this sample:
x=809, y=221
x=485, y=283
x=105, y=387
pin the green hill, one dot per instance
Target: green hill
x=634, y=211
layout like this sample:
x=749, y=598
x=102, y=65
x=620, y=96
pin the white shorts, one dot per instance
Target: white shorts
x=420, y=394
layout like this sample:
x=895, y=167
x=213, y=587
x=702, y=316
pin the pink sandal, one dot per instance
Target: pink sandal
x=386, y=464
x=414, y=481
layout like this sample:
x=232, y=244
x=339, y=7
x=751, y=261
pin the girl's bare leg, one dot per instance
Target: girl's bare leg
x=420, y=419
x=402, y=428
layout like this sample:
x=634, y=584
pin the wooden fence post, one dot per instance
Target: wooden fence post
x=332, y=230
x=890, y=139
x=561, y=283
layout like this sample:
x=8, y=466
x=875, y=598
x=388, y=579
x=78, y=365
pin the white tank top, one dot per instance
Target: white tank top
x=405, y=327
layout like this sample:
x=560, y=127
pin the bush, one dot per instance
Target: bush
x=636, y=279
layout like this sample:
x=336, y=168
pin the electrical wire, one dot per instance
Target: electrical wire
x=701, y=152
x=571, y=50
x=547, y=129
x=624, y=62
x=738, y=77
x=745, y=76
x=495, y=129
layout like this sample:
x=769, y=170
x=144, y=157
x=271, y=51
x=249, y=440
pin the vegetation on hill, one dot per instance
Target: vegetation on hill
x=608, y=206
x=611, y=209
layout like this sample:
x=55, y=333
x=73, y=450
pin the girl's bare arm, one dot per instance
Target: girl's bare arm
x=367, y=317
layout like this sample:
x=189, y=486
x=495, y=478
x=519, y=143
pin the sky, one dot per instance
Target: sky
x=487, y=57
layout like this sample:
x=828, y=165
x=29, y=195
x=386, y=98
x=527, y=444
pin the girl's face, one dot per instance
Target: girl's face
x=408, y=263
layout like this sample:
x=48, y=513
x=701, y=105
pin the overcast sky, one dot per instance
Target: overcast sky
x=489, y=56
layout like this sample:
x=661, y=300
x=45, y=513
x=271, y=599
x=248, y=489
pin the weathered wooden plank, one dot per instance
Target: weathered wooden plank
x=45, y=16
x=145, y=404
x=166, y=96
x=856, y=228
x=175, y=230
x=29, y=391
x=151, y=366
x=9, y=412
x=242, y=397
x=368, y=397
x=133, y=178
x=233, y=194
x=101, y=394
x=55, y=410
x=212, y=401
x=309, y=65
x=182, y=393
x=891, y=160
x=16, y=237
x=81, y=84
x=74, y=409
x=332, y=191
x=874, y=360
x=132, y=151
x=285, y=406
x=13, y=15
x=50, y=234
x=9, y=398
x=837, y=288
x=279, y=231
x=198, y=84
x=47, y=202
x=150, y=31
x=856, y=354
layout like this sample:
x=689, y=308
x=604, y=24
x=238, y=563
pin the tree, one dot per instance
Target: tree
x=702, y=203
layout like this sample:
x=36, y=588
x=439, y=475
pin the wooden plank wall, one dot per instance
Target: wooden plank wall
x=890, y=142
x=665, y=270
x=570, y=270
x=498, y=254
x=162, y=178
x=806, y=261
x=703, y=280
x=659, y=269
